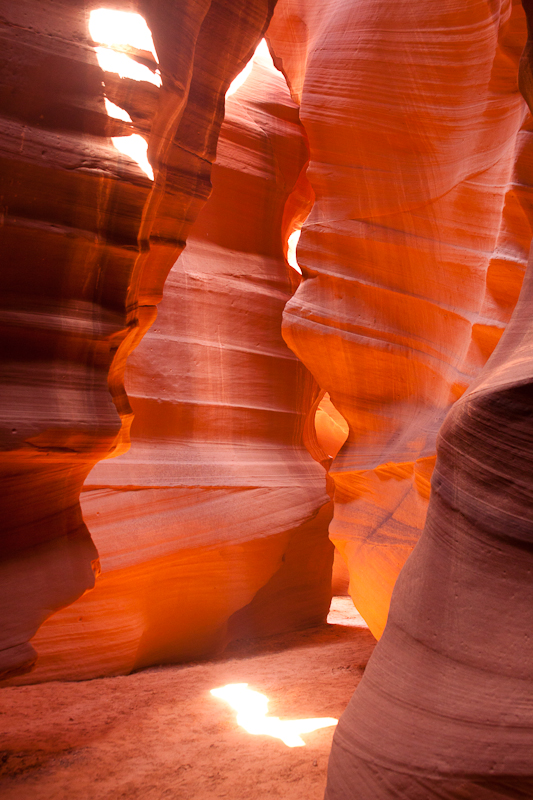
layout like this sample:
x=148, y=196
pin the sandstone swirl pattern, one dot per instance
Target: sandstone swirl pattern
x=413, y=114
x=87, y=241
x=214, y=524
x=445, y=709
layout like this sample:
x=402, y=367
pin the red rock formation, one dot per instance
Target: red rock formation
x=331, y=428
x=213, y=525
x=412, y=112
x=453, y=718
x=87, y=241
x=445, y=709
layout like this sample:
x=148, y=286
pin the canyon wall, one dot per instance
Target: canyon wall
x=214, y=525
x=445, y=709
x=415, y=249
x=87, y=241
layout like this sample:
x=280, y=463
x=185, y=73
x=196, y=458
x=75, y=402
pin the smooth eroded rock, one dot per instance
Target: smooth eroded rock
x=214, y=525
x=87, y=241
x=413, y=114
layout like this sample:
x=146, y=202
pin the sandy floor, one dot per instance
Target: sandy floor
x=160, y=734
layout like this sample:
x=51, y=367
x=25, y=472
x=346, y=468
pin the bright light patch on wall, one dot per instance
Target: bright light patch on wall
x=121, y=29
x=136, y=148
x=239, y=80
x=261, y=51
x=262, y=55
x=125, y=67
x=120, y=34
x=252, y=709
x=292, y=244
x=116, y=111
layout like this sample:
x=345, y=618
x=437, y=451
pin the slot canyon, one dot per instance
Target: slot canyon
x=267, y=400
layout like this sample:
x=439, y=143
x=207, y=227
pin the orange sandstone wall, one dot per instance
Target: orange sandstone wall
x=87, y=241
x=214, y=525
x=414, y=251
x=445, y=707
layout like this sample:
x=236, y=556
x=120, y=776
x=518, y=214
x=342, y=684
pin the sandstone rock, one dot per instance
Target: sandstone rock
x=87, y=241
x=331, y=427
x=214, y=525
x=412, y=112
x=445, y=707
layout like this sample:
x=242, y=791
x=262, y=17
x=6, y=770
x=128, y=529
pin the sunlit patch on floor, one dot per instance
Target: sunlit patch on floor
x=343, y=612
x=252, y=710
x=123, y=38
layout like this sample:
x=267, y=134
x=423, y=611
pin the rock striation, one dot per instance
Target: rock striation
x=453, y=718
x=415, y=249
x=214, y=525
x=87, y=241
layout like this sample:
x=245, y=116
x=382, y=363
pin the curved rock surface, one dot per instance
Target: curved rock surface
x=453, y=718
x=214, y=525
x=87, y=241
x=415, y=248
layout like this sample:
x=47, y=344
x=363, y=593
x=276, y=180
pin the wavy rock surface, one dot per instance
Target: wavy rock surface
x=454, y=718
x=412, y=112
x=214, y=525
x=87, y=241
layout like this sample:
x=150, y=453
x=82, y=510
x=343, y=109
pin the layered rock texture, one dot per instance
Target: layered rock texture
x=214, y=525
x=87, y=241
x=414, y=251
x=411, y=180
x=445, y=709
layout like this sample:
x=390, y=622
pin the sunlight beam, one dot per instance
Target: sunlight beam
x=116, y=112
x=125, y=67
x=292, y=244
x=121, y=34
x=261, y=51
x=136, y=147
x=121, y=29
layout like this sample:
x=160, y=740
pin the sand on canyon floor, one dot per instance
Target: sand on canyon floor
x=160, y=734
